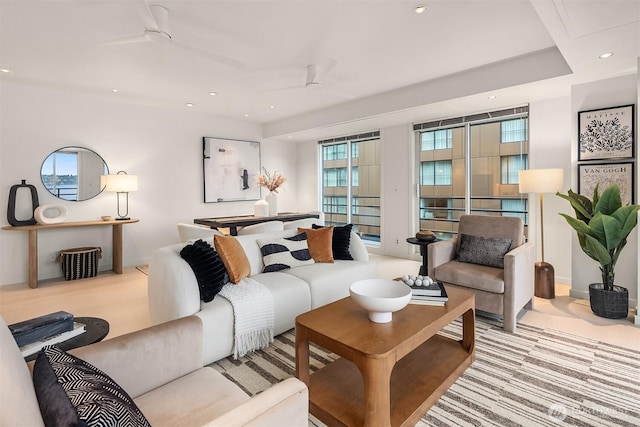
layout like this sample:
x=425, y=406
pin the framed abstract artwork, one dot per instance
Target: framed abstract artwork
x=606, y=133
x=604, y=175
x=231, y=168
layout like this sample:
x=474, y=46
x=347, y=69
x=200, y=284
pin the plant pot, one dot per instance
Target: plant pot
x=610, y=304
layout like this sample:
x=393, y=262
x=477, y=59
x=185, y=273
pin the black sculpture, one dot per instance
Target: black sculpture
x=11, y=209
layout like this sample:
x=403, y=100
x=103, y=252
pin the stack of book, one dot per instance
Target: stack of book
x=34, y=334
x=429, y=293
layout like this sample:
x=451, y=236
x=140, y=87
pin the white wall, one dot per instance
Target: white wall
x=162, y=147
x=588, y=96
x=550, y=148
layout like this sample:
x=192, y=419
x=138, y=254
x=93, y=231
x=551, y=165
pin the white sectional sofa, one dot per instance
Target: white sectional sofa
x=173, y=289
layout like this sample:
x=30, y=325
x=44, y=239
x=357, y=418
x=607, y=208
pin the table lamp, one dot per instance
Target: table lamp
x=542, y=181
x=121, y=183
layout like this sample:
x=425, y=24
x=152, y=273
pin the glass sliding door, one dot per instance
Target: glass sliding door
x=471, y=165
x=351, y=184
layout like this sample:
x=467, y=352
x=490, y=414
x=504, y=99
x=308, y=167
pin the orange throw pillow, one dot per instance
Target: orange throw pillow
x=319, y=242
x=233, y=257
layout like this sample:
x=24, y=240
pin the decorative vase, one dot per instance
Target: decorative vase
x=272, y=200
x=13, y=200
x=261, y=208
x=609, y=304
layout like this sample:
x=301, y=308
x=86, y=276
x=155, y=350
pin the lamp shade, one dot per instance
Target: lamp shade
x=541, y=180
x=120, y=183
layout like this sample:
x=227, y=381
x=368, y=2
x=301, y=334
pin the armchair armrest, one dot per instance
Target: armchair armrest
x=440, y=252
x=144, y=360
x=519, y=271
x=284, y=404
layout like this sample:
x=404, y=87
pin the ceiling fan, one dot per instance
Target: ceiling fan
x=157, y=30
x=315, y=79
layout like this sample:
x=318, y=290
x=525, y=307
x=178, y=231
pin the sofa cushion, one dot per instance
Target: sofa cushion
x=340, y=242
x=286, y=252
x=475, y=276
x=208, y=268
x=191, y=400
x=233, y=257
x=320, y=241
x=330, y=282
x=73, y=392
x=483, y=250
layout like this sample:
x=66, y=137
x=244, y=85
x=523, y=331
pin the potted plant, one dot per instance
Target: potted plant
x=603, y=225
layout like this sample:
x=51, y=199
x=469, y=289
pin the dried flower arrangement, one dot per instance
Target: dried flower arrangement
x=271, y=181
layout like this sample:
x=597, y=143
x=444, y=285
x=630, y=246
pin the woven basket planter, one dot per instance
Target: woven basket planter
x=610, y=304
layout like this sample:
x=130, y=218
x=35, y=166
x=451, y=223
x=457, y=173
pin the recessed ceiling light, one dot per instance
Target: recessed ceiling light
x=272, y=106
x=606, y=55
x=246, y=115
x=420, y=8
x=115, y=90
x=492, y=96
x=213, y=93
x=189, y=104
x=5, y=70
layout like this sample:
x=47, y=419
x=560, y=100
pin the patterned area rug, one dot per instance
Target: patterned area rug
x=535, y=377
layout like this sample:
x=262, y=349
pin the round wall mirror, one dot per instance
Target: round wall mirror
x=73, y=173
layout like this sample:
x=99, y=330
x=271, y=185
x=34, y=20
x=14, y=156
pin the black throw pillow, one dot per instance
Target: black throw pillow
x=207, y=267
x=72, y=392
x=340, y=242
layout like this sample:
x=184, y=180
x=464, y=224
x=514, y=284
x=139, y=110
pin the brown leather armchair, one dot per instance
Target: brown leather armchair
x=499, y=290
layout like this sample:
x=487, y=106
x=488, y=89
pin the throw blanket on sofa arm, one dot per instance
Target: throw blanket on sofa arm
x=253, y=313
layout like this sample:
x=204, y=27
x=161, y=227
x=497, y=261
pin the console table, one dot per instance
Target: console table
x=33, y=241
x=233, y=222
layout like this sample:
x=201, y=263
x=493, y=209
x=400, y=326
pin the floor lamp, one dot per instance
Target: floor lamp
x=121, y=183
x=542, y=181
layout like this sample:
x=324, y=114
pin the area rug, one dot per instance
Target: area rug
x=534, y=377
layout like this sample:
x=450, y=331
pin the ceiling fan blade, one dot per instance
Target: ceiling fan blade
x=160, y=16
x=312, y=72
x=282, y=89
x=127, y=40
x=209, y=55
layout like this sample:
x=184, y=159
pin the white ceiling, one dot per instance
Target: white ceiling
x=390, y=63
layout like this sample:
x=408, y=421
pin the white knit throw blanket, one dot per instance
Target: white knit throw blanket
x=253, y=312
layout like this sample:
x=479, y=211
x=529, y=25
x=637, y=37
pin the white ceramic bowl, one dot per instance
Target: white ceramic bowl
x=380, y=297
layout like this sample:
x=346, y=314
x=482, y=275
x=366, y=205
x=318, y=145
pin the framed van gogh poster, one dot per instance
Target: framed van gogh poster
x=604, y=175
x=606, y=133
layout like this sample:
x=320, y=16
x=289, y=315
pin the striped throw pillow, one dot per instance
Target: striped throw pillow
x=286, y=252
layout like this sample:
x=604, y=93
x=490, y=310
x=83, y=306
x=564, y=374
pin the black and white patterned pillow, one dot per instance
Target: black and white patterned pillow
x=286, y=252
x=488, y=251
x=208, y=268
x=72, y=392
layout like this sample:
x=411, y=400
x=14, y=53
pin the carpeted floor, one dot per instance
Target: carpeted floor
x=535, y=377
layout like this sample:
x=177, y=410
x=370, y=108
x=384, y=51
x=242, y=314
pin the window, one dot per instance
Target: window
x=337, y=205
x=351, y=183
x=335, y=177
x=511, y=166
x=435, y=173
x=478, y=173
x=60, y=174
x=354, y=176
x=335, y=152
x=436, y=139
x=514, y=130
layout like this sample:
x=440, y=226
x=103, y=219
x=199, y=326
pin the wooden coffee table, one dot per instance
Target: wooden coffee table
x=389, y=374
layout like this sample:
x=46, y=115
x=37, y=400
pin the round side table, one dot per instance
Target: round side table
x=95, y=330
x=424, y=268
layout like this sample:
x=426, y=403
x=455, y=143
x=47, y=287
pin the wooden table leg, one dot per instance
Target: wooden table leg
x=33, y=258
x=468, y=330
x=117, y=248
x=376, y=374
x=302, y=355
